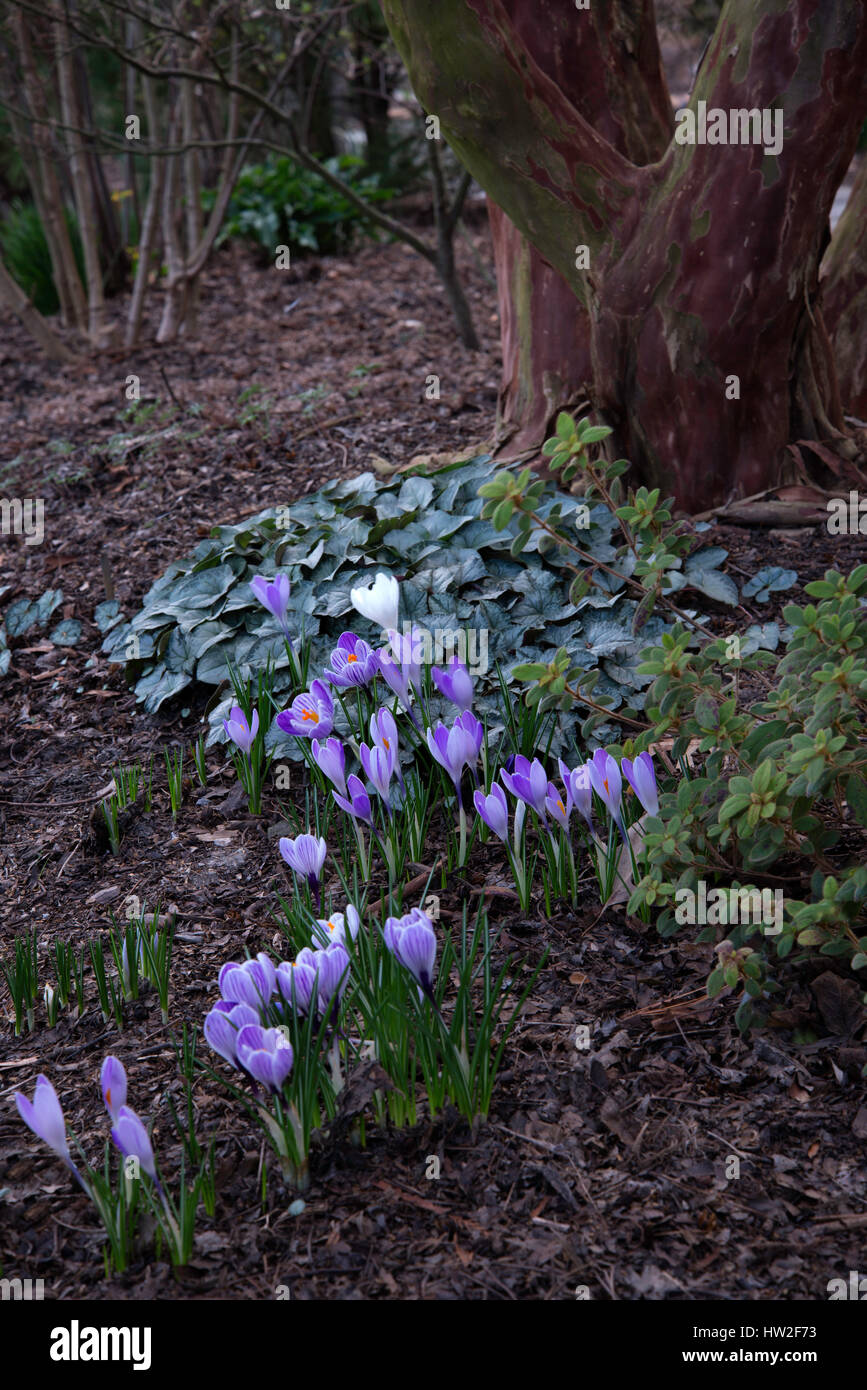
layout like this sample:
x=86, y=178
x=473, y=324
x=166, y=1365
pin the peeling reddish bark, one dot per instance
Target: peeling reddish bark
x=704, y=265
x=844, y=298
x=611, y=71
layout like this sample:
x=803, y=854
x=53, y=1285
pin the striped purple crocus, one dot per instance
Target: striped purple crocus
x=296, y=982
x=248, y=982
x=305, y=855
x=266, y=1055
x=223, y=1024
x=412, y=941
x=310, y=715
x=334, y=929
x=353, y=662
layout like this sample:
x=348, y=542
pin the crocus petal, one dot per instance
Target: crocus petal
x=379, y=601
x=131, y=1137
x=112, y=1079
x=44, y=1116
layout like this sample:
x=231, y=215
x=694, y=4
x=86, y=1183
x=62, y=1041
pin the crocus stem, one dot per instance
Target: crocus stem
x=462, y=820
x=362, y=851
x=79, y=1179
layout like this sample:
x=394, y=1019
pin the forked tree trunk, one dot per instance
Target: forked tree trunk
x=844, y=297
x=708, y=353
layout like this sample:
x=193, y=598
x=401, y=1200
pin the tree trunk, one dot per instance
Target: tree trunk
x=708, y=355
x=844, y=297
x=97, y=325
x=609, y=67
x=13, y=297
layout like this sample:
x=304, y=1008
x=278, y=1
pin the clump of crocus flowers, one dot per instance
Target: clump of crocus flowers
x=117, y=1200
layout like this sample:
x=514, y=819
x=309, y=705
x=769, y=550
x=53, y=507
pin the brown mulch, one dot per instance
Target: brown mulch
x=672, y=1159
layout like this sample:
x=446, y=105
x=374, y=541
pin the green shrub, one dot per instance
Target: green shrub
x=26, y=256
x=782, y=794
x=779, y=805
x=280, y=203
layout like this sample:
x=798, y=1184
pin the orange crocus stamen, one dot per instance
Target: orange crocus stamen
x=310, y=714
x=108, y=1097
x=352, y=657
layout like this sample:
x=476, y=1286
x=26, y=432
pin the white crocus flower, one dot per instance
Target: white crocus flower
x=379, y=601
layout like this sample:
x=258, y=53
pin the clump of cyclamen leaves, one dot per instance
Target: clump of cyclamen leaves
x=456, y=571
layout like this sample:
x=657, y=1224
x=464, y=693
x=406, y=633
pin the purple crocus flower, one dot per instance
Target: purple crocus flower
x=455, y=683
x=310, y=715
x=223, y=1024
x=239, y=731
x=305, y=855
x=112, y=1080
x=353, y=662
x=642, y=779
x=400, y=664
x=358, y=805
x=494, y=810
x=296, y=981
x=333, y=930
x=456, y=747
x=556, y=808
x=412, y=941
x=579, y=790
x=332, y=975
x=383, y=733
x=250, y=982
x=529, y=783
x=130, y=1136
x=607, y=783
x=330, y=758
x=266, y=1054
x=274, y=596
x=378, y=764
x=44, y=1115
